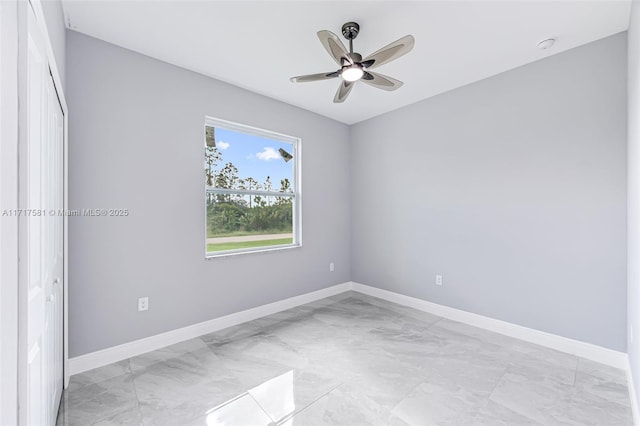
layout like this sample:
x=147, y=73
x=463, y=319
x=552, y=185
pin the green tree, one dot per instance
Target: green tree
x=227, y=178
x=250, y=184
x=268, y=187
x=212, y=157
x=285, y=186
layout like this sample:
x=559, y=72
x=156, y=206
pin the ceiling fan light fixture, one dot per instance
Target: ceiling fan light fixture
x=352, y=73
x=353, y=67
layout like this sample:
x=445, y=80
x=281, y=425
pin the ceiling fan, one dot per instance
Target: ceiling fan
x=353, y=67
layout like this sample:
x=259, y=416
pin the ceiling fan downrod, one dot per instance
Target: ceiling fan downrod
x=350, y=32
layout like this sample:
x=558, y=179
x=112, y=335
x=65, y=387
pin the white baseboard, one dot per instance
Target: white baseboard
x=127, y=350
x=632, y=394
x=107, y=356
x=563, y=344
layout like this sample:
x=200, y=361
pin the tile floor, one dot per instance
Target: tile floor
x=350, y=360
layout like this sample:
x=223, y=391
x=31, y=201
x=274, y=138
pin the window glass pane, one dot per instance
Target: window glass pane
x=237, y=221
x=242, y=165
x=235, y=160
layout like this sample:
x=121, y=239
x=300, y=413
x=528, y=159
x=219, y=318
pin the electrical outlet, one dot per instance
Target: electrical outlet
x=438, y=279
x=143, y=304
x=332, y=267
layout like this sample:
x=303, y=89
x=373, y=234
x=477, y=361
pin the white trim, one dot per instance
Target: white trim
x=244, y=128
x=214, y=190
x=96, y=359
x=65, y=238
x=23, y=122
x=9, y=117
x=256, y=250
x=633, y=396
x=563, y=344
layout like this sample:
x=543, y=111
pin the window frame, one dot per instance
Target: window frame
x=295, y=196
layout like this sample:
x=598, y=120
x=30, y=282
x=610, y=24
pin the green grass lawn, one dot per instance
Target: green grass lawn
x=245, y=233
x=247, y=244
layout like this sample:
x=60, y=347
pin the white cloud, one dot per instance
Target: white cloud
x=268, y=154
x=222, y=145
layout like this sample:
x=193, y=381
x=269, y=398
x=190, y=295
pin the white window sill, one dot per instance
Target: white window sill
x=210, y=256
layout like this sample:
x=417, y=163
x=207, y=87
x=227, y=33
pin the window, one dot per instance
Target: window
x=252, y=189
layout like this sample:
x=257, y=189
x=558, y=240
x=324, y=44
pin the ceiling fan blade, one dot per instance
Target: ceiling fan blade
x=314, y=77
x=381, y=81
x=343, y=91
x=390, y=52
x=334, y=46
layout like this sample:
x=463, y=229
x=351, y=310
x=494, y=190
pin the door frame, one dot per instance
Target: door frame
x=9, y=118
x=13, y=132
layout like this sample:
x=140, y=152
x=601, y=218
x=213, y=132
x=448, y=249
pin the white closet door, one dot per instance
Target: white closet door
x=44, y=237
x=52, y=186
x=36, y=296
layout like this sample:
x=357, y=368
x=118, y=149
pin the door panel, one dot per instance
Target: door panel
x=44, y=219
x=53, y=187
x=36, y=296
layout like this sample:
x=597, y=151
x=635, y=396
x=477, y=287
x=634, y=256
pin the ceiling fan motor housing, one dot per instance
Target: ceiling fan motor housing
x=355, y=57
x=350, y=30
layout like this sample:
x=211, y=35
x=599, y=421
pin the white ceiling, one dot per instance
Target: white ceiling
x=258, y=45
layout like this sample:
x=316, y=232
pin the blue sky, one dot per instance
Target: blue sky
x=255, y=156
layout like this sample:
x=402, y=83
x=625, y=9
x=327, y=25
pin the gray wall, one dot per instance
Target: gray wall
x=136, y=142
x=633, y=251
x=54, y=19
x=513, y=188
